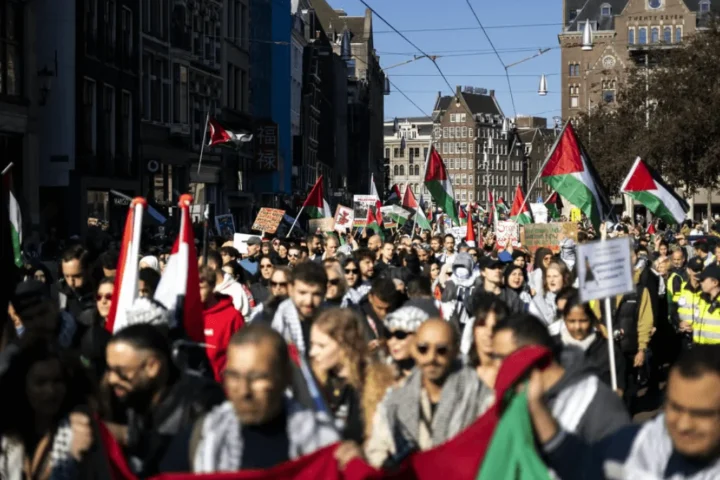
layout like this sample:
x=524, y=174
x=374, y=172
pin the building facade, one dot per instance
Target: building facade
x=625, y=33
x=406, y=148
x=481, y=154
x=90, y=116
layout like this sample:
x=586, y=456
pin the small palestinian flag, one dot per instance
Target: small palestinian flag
x=555, y=206
x=524, y=216
x=646, y=186
x=315, y=205
x=217, y=135
x=438, y=182
x=371, y=223
x=502, y=207
x=395, y=196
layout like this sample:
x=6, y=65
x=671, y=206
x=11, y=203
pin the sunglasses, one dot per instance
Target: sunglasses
x=399, y=334
x=351, y=271
x=107, y=296
x=266, y=265
x=278, y=284
x=440, y=350
x=293, y=255
x=334, y=282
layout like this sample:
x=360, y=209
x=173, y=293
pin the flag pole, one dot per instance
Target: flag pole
x=202, y=143
x=7, y=169
x=206, y=230
x=544, y=164
x=295, y=222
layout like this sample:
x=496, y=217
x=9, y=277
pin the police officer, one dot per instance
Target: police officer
x=703, y=318
x=688, y=302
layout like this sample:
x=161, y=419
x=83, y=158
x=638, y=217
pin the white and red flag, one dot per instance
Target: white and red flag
x=180, y=280
x=126, y=278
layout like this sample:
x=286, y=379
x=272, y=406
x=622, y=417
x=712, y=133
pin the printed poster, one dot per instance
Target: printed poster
x=344, y=217
x=361, y=203
x=225, y=225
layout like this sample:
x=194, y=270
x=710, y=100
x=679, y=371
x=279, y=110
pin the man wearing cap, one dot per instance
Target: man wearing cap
x=688, y=302
x=704, y=319
x=250, y=262
x=491, y=281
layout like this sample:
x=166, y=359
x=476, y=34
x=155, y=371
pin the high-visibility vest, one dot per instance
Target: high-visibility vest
x=674, y=293
x=703, y=316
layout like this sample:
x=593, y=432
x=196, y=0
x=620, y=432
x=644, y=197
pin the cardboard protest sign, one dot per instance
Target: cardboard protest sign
x=268, y=220
x=508, y=233
x=225, y=225
x=459, y=233
x=322, y=225
x=604, y=269
x=547, y=235
x=361, y=203
x=344, y=217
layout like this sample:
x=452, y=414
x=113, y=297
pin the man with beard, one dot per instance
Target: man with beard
x=315, y=248
x=76, y=293
x=154, y=399
x=439, y=399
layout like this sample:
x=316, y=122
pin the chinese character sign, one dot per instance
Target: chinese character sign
x=266, y=146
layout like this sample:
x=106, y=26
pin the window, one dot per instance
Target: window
x=464, y=163
x=572, y=15
x=126, y=127
x=705, y=6
x=678, y=34
x=425, y=152
x=110, y=25
x=396, y=152
x=451, y=163
x=109, y=119
x=417, y=169
x=402, y=170
x=654, y=35
x=642, y=36
x=387, y=152
x=574, y=70
x=605, y=10
x=667, y=35
x=89, y=137
x=180, y=104
x=451, y=132
x=608, y=96
x=127, y=33
x=470, y=179
x=90, y=26
x=631, y=36
x=11, y=51
x=464, y=132
x=462, y=117
x=574, y=97
x=463, y=179
x=396, y=169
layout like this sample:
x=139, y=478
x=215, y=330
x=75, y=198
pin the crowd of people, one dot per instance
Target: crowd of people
x=389, y=345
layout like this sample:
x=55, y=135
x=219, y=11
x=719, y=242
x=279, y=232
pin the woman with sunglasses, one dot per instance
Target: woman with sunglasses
x=402, y=325
x=336, y=284
x=261, y=289
x=95, y=339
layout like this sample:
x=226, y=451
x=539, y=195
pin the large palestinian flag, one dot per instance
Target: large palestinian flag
x=411, y=203
x=646, y=186
x=438, y=182
x=569, y=171
x=520, y=212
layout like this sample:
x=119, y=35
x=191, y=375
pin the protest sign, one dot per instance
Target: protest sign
x=322, y=225
x=547, y=235
x=240, y=242
x=508, y=233
x=604, y=269
x=268, y=220
x=539, y=212
x=225, y=225
x=361, y=203
x=459, y=233
x=344, y=217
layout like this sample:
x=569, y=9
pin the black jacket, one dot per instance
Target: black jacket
x=596, y=359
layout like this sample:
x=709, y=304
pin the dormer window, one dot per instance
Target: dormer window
x=705, y=6
x=605, y=10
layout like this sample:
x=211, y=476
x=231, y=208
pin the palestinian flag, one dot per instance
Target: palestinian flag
x=315, y=205
x=15, y=217
x=217, y=135
x=378, y=203
x=554, y=206
x=470, y=233
x=569, y=171
x=438, y=182
x=395, y=196
x=502, y=207
x=372, y=223
x=646, y=186
x=524, y=216
x=411, y=203
x=462, y=215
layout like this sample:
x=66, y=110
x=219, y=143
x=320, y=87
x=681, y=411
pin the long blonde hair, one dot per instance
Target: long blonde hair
x=345, y=327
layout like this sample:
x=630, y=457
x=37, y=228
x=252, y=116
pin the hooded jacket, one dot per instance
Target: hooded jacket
x=232, y=288
x=219, y=323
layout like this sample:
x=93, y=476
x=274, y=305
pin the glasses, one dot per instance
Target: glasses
x=278, y=284
x=293, y=255
x=440, y=350
x=399, y=334
x=334, y=282
x=107, y=296
x=351, y=271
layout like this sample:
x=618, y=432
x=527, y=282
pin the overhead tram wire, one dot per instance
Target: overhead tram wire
x=452, y=90
x=455, y=29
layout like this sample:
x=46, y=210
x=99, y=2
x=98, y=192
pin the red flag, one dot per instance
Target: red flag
x=119, y=468
x=470, y=235
x=126, y=278
x=221, y=136
x=181, y=278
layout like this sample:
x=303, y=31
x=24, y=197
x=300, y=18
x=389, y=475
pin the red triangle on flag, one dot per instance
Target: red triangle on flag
x=409, y=200
x=641, y=179
x=567, y=156
x=217, y=133
x=519, y=202
x=470, y=234
x=435, y=170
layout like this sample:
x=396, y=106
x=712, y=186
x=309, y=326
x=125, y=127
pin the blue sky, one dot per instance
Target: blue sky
x=472, y=54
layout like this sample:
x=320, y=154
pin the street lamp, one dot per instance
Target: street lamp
x=543, y=90
x=587, y=44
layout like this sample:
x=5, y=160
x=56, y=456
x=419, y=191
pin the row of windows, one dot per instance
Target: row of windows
x=458, y=117
x=498, y=148
x=399, y=170
x=467, y=195
x=106, y=103
x=655, y=32
x=469, y=132
x=413, y=153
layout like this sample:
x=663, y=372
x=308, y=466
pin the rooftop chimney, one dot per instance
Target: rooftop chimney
x=491, y=93
x=340, y=12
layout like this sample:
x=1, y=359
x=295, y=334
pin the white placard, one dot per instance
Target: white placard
x=540, y=212
x=240, y=242
x=460, y=233
x=604, y=269
x=508, y=233
x=344, y=217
